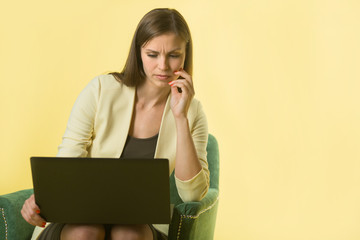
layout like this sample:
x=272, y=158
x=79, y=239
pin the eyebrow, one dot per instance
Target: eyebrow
x=174, y=50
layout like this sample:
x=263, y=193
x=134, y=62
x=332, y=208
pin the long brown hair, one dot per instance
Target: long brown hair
x=155, y=23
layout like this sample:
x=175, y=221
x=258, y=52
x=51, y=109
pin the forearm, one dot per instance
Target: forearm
x=187, y=164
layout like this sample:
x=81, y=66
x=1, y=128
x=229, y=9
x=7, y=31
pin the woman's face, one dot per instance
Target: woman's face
x=161, y=57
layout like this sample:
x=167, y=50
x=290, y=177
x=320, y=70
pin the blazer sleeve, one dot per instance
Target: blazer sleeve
x=79, y=130
x=196, y=188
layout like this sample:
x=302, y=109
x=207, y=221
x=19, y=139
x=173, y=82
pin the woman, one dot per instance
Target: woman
x=147, y=110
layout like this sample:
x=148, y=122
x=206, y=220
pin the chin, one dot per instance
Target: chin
x=163, y=82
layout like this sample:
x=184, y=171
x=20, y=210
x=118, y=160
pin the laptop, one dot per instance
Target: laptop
x=102, y=190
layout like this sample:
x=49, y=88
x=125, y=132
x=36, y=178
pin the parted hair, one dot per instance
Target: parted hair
x=155, y=23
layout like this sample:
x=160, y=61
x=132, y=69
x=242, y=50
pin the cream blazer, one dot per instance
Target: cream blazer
x=99, y=125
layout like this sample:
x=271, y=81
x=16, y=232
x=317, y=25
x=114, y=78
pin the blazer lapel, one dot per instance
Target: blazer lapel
x=166, y=144
x=124, y=112
x=113, y=121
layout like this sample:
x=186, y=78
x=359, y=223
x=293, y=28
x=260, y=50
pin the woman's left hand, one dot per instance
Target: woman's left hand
x=180, y=101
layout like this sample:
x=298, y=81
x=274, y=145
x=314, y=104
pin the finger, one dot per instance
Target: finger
x=27, y=215
x=30, y=212
x=32, y=203
x=175, y=91
x=37, y=219
x=184, y=93
x=184, y=74
x=183, y=85
x=182, y=81
x=35, y=213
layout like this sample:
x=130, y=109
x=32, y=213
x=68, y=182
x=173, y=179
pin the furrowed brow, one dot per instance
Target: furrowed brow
x=153, y=51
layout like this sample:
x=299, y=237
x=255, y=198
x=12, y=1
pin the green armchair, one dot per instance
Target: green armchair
x=191, y=220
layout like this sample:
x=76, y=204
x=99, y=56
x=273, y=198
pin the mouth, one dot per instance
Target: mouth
x=162, y=77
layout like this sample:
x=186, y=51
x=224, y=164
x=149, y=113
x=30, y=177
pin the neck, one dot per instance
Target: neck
x=149, y=96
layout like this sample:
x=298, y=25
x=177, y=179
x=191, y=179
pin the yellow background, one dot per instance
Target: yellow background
x=279, y=81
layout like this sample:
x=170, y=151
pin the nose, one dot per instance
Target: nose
x=163, y=63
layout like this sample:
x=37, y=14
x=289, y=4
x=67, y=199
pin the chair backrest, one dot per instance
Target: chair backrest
x=213, y=162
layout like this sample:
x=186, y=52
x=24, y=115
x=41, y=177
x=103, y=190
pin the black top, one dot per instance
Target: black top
x=139, y=147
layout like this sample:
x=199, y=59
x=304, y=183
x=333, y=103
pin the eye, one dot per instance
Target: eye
x=152, y=55
x=174, y=55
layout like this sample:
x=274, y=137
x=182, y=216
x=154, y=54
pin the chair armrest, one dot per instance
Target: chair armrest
x=195, y=220
x=12, y=224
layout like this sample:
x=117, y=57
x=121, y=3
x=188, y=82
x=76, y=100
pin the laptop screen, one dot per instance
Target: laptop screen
x=102, y=190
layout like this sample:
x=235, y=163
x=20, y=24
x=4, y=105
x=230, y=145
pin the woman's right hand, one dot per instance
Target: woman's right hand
x=30, y=212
